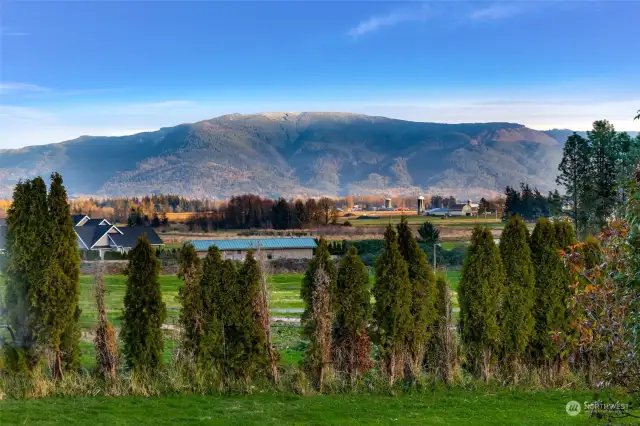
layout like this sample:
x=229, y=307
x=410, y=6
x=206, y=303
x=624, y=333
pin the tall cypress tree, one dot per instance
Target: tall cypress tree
x=21, y=355
x=244, y=339
x=144, y=311
x=214, y=271
x=551, y=292
x=65, y=253
x=392, y=310
x=517, y=320
x=321, y=259
x=191, y=315
x=353, y=345
x=480, y=294
x=423, y=295
x=565, y=236
x=47, y=282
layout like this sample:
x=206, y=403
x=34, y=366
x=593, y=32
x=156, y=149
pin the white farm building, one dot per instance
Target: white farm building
x=274, y=248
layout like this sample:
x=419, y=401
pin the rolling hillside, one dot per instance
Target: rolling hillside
x=296, y=154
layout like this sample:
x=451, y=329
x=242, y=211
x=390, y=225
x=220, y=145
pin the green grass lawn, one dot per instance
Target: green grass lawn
x=453, y=278
x=441, y=407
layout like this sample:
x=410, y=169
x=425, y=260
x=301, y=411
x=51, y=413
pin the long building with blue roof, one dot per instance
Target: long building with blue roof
x=273, y=248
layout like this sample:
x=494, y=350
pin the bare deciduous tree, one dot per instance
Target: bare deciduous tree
x=105, y=343
x=321, y=298
x=261, y=308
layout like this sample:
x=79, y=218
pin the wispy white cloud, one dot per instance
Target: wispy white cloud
x=498, y=11
x=391, y=19
x=22, y=125
x=7, y=32
x=21, y=87
x=29, y=114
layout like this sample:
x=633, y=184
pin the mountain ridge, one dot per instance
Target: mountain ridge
x=296, y=154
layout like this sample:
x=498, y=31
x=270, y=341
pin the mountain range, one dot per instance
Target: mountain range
x=297, y=154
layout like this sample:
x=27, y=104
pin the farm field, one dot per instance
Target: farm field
x=450, y=407
x=418, y=220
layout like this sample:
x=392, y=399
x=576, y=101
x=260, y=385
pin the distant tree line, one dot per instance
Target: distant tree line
x=120, y=208
x=595, y=172
x=242, y=211
x=530, y=204
x=253, y=211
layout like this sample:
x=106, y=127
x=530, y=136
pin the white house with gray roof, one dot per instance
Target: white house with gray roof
x=102, y=236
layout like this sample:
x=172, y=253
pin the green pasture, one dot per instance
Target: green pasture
x=436, y=407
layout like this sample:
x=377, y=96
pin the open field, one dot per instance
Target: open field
x=444, y=407
x=384, y=220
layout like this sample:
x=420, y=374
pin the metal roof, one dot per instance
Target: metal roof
x=129, y=236
x=254, y=243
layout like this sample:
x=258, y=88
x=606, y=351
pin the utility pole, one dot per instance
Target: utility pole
x=434, y=257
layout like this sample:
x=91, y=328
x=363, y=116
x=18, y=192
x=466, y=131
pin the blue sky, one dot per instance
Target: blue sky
x=112, y=68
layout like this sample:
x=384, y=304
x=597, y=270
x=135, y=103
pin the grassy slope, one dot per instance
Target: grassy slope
x=440, y=407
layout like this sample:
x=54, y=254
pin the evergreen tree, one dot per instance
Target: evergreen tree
x=527, y=201
x=392, y=310
x=483, y=206
x=353, y=346
x=512, y=202
x=516, y=315
x=603, y=169
x=565, y=236
x=551, y=293
x=65, y=253
x=144, y=311
x=423, y=295
x=429, y=234
x=215, y=272
x=554, y=199
x=281, y=215
x=47, y=282
x=245, y=341
x=540, y=205
x=19, y=247
x=575, y=177
x=480, y=294
x=321, y=259
x=191, y=318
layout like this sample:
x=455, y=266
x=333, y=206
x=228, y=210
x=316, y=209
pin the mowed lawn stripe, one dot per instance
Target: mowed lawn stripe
x=442, y=407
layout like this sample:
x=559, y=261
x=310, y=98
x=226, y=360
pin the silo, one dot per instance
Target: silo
x=420, y=204
x=387, y=203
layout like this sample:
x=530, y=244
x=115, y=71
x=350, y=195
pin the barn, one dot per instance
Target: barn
x=274, y=248
x=462, y=210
